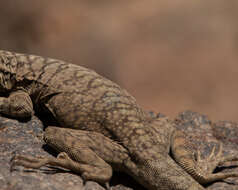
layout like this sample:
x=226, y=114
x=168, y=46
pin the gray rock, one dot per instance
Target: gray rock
x=25, y=138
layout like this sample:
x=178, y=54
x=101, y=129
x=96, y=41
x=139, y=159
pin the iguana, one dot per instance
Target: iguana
x=100, y=126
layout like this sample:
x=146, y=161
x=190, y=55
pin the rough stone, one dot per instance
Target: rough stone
x=25, y=138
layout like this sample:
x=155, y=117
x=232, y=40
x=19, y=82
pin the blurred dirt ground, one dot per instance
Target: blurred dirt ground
x=171, y=55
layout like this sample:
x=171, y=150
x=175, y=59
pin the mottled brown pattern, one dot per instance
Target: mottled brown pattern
x=108, y=130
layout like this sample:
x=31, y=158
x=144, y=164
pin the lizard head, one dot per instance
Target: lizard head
x=7, y=75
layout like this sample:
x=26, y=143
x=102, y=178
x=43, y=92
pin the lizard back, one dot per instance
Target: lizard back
x=80, y=98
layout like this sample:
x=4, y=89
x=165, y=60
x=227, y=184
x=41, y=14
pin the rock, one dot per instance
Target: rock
x=25, y=138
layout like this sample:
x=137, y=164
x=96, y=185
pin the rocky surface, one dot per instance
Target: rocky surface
x=25, y=138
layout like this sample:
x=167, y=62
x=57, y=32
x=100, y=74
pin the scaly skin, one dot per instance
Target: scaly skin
x=102, y=126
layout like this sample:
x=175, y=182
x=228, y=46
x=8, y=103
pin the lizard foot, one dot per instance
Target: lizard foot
x=88, y=172
x=29, y=161
x=207, y=165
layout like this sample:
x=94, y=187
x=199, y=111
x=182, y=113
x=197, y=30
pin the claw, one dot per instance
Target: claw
x=199, y=158
x=13, y=163
x=12, y=167
x=13, y=158
x=219, y=154
x=212, y=153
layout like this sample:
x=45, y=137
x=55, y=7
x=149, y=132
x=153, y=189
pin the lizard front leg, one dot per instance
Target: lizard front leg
x=17, y=105
x=83, y=152
x=89, y=171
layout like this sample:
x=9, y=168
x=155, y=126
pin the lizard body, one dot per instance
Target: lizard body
x=100, y=126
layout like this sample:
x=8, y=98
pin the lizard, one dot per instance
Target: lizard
x=100, y=127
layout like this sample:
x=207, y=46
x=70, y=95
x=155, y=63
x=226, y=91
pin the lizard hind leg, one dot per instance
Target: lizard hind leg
x=206, y=166
x=200, y=169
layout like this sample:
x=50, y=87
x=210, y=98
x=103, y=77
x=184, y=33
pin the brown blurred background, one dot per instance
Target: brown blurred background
x=171, y=55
